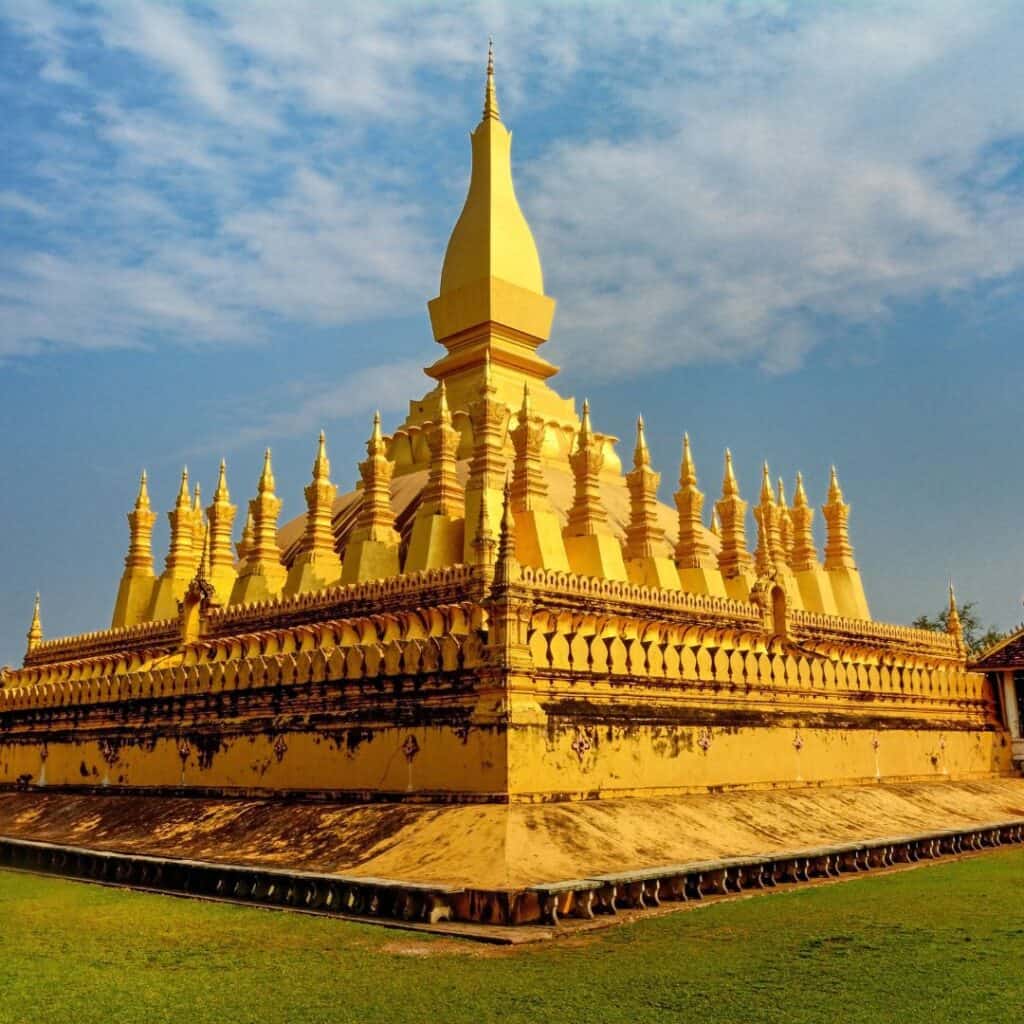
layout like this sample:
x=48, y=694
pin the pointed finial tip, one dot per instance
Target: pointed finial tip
x=323, y=436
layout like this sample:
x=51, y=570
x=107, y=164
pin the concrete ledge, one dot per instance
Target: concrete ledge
x=417, y=903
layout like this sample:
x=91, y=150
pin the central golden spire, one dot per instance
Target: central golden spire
x=491, y=237
x=492, y=286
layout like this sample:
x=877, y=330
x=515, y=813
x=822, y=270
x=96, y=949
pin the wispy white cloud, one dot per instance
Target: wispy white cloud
x=829, y=172
x=385, y=387
x=724, y=180
x=10, y=200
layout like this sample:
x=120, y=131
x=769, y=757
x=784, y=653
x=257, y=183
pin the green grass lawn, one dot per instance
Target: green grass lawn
x=940, y=943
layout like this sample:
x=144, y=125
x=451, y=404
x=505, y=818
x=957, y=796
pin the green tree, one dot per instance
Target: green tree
x=976, y=636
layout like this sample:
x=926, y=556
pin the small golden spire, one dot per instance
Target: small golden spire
x=490, y=95
x=953, y=624
x=203, y=570
x=506, y=554
x=376, y=518
x=529, y=489
x=197, y=505
x=316, y=563
x=733, y=557
x=216, y=549
x=715, y=525
x=585, y=431
x=587, y=516
x=244, y=546
x=835, y=494
x=375, y=445
x=769, y=545
x=142, y=500
x=140, y=523
x=767, y=497
x=321, y=465
x=838, y=550
x=687, y=467
x=183, y=493
x=730, y=489
x=221, y=493
x=799, y=495
x=484, y=544
x=444, y=413
x=641, y=453
x=644, y=536
x=785, y=524
x=266, y=484
x=35, y=630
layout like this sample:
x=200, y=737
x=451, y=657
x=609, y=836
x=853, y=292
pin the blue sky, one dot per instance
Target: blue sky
x=793, y=229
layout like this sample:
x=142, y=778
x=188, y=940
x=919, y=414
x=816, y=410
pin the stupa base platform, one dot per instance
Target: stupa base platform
x=501, y=864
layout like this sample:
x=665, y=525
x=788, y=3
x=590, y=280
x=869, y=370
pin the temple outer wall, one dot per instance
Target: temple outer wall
x=600, y=760
x=417, y=763
x=543, y=762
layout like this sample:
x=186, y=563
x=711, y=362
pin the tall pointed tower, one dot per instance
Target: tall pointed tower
x=490, y=304
x=492, y=288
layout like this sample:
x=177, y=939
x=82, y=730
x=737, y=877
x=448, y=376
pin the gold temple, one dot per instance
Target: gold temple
x=499, y=613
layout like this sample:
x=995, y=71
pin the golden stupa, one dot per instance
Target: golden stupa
x=499, y=617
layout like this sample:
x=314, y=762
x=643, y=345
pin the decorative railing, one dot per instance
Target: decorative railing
x=572, y=585
x=161, y=634
x=814, y=624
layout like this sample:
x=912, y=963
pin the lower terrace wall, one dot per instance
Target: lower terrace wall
x=593, y=697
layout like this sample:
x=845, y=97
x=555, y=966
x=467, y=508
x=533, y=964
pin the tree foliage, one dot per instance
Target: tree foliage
x=976, y=635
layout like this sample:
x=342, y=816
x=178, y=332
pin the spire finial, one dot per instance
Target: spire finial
x=375, y=446
x=35, y=630
x=585, y=422
x=729, y=486
x=641, y=454
x=266, y=484
x=799, y=495
x=767, y=497
x=527, y=406
x=142, y=500
x=183, y=495
x=321, y=465
x=687, y=469
x=490, y=95
x=221, y=493
x=197, y=505
x=782, y=493
x=444, y=412
x=835, y=494
x=953, y=624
